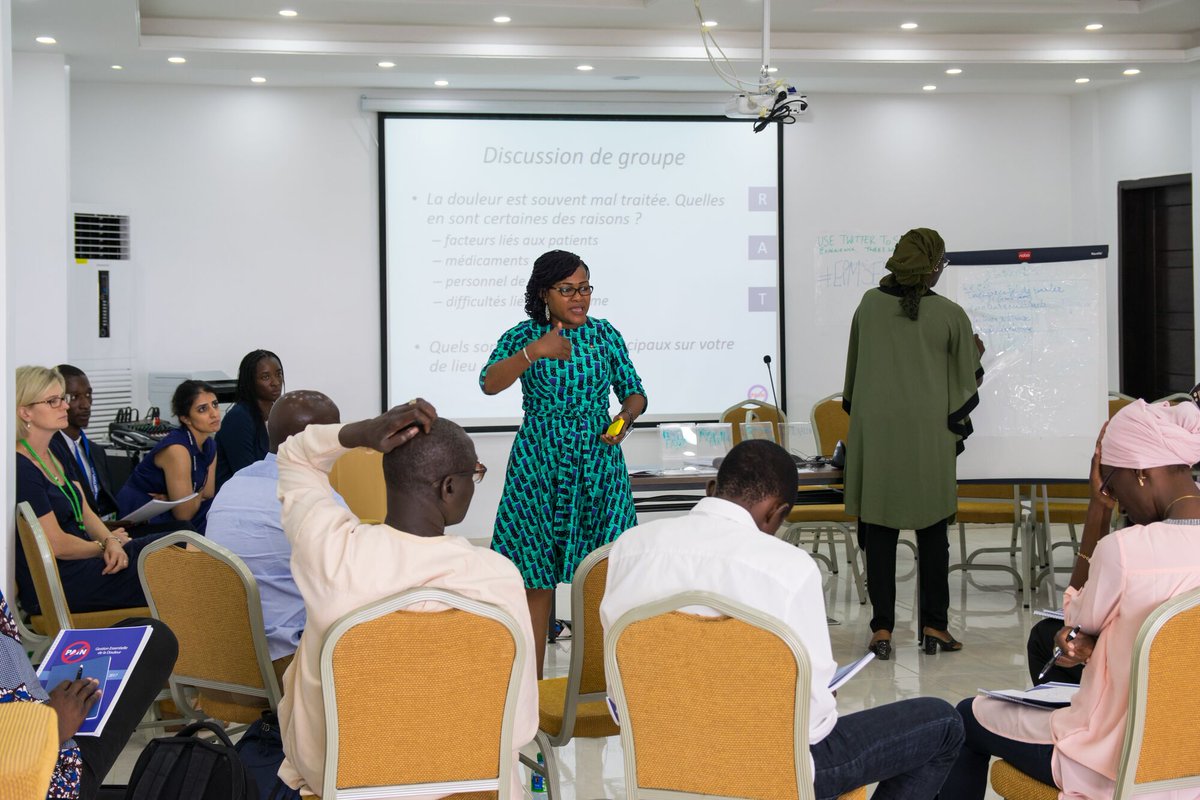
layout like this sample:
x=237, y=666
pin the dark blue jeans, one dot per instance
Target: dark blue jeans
x=905, y=747
x=968, y=777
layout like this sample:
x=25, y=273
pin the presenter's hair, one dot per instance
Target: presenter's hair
x=549, y=269
x=247, y=370
x=31, y=384
x=428, y=458
x=186, y=394
x=756, y=470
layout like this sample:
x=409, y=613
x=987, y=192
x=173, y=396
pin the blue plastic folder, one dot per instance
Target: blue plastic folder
x=106, y=654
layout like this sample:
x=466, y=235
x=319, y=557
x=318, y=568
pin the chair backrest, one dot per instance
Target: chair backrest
x=210, y=600
x=1116, y=402
x=358, y=477
x=421, y=699
x=830, y=423
x=1175, y=398
x=701, y=699
x=43, y=568
x=1161, y=739
x=988, y=491
x=28, y=750
x=585, y=675
x=752, y=411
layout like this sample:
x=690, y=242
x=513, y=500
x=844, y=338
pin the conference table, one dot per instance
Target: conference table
x=660, y=490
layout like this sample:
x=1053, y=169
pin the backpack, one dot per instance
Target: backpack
x=185, y=767
x=261, y=750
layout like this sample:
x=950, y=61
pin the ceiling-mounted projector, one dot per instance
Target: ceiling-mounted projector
x=756, y=105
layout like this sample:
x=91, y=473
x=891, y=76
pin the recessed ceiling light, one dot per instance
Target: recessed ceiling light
x=46, y=40
x=909, y=26
x=772, y=69
x=1095, y=26
x=501, y=20
x=1083, y=80
x=585, y=68
x=929, y=87
x=387, y=64
x=288, y=12
x=177, y=60
x=954, y=71
x=116, y=66
x=441, y=83
x=258, y=79
x=709, y=23
x=1132, y=71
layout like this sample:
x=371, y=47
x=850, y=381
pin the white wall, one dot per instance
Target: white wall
x=254, y=223
x=985, y=171
x=1142, y=130
x=7, y=361
x=38, y=186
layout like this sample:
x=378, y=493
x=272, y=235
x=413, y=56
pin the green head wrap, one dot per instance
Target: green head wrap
x=916, y=256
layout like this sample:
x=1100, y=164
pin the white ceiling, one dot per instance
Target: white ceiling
x=635, y=45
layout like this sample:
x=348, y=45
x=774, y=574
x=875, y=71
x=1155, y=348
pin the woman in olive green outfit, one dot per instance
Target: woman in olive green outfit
x=911, y=377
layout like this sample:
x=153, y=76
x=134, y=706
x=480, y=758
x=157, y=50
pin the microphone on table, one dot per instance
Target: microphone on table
x=771, y=378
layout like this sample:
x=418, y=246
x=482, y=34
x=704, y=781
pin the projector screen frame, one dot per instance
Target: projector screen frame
x=779, y=391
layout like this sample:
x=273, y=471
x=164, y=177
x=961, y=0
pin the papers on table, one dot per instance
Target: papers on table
x=1048, y=696
x=843, y=674
x=154, y=508
x=1049, y=613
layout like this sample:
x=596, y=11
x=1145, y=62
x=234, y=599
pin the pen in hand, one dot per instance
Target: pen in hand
x=79, y=672
x=1058, y=651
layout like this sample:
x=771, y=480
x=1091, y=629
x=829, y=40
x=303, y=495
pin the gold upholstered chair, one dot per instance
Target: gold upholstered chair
x=358, y=477
x=1161, y=740
x=752, y=411
x=210, y=600
x=574, y=706
x=43, y=568
x=421, y=702
x=711, y=705
x=28, y=750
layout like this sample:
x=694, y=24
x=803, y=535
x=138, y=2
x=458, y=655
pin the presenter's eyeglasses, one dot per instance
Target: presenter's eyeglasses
x=476, y=474
x=53, y=402
x=571, y=291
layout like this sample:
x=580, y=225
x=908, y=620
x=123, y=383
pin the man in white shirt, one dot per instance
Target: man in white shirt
x=341, y=564
x=906, y=747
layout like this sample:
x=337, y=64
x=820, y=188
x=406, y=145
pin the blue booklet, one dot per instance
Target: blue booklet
x=106, y=654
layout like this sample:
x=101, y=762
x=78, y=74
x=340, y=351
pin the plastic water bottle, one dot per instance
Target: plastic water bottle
x=537, y=784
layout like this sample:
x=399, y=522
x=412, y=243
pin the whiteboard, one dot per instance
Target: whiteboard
x=1041, y=314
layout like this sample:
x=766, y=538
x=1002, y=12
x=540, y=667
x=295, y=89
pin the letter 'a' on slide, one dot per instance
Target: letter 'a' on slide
x=615, y=428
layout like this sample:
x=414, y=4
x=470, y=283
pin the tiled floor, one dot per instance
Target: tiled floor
x=985, y=613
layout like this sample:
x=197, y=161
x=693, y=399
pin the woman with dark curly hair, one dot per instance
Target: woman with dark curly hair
x=242, y=439
x=912, y=371
x=567, y=488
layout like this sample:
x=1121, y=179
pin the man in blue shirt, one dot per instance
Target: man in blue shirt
x=245, y=518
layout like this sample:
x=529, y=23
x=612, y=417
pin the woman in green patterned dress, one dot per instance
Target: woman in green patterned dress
x=567, y=488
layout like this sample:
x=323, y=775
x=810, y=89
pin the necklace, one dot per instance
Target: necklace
x=60, y=480
x=1167, y=510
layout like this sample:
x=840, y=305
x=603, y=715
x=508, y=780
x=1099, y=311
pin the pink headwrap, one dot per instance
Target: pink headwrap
x=1141, y=436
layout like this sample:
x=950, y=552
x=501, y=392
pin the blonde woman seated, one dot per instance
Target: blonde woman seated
x=1142, y=461
x=93, y=562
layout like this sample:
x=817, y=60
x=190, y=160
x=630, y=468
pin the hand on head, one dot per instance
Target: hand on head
x=392, y=428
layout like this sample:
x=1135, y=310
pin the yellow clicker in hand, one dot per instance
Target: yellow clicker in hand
x=617, y=425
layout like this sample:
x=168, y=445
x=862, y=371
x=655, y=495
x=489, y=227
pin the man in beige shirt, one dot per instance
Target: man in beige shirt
x=341, y=564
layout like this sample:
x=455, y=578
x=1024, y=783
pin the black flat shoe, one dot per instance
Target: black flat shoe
x=931, y=643
x=882, y=648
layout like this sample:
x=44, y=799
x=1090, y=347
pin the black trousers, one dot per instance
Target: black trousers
x=148, y=679
x=1040, y=647
x=933, y=565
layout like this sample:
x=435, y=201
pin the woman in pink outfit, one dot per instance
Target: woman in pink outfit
x=1143, y=461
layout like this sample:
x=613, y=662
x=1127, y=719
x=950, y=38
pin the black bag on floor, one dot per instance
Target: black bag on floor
x=261, y=750
x=185, y=767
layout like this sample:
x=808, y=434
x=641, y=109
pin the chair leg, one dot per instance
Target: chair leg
x=962, y=542
x=553, y=790
x=833, y=559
